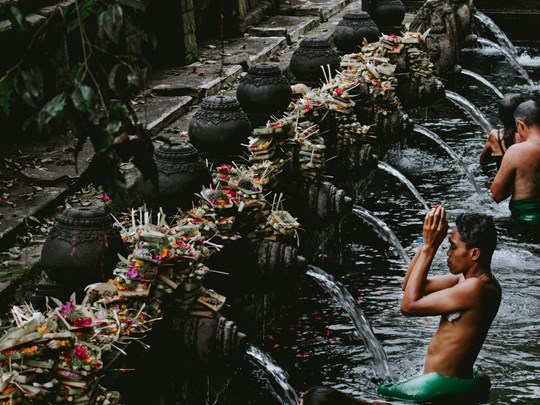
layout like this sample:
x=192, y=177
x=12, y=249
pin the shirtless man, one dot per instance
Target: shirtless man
x=467, y=299
x=519, y=175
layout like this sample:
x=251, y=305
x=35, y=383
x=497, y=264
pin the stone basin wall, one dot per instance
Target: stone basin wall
x=517, y=18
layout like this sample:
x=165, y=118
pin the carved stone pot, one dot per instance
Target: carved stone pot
x=219, y=128
x=387, y=13
x=352, y=29
x=82, y=247
x=181, y=173
x=307, y=59
x=263, y=92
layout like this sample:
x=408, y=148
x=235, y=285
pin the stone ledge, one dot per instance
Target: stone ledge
x=259, y=49
x=324, y=9
x=198, y=80
x=291, y=27
x=158, y=112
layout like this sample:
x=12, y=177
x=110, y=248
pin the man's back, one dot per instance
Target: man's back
x=519, y=175
x=456, y=344
x=527, y=181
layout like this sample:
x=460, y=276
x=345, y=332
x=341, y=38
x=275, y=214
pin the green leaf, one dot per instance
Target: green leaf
x=110, y=22
x=84, y=99
x=16, y=18
x=118, y=79
x=70, y=16
x=53, y=109
x=29, y=85
x=136, y=4
x=137, y=79
x=114, y=127
x=7, y=86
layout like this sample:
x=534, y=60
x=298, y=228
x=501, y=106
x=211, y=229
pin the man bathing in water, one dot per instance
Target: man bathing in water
x=467, y=300
x=519, y=175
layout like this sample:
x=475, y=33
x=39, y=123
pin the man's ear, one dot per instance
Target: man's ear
x=520, y=125
x=475, y=254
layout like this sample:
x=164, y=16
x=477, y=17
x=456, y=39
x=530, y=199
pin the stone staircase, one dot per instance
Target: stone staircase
x=52, y=178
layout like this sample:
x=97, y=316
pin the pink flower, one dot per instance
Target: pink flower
x=80, y=352
x=133, y=273
x=68, y=307
x=105, y=198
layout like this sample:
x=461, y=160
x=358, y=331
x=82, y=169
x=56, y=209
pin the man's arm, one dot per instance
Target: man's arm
x=433, y=283
x=503, y=184
x=457, y=298
x=434, y=231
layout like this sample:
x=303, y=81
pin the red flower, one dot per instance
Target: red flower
x=81, y=352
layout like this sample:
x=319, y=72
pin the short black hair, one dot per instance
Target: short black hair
x=529, y=113
x=507, y=106
x=478, y=230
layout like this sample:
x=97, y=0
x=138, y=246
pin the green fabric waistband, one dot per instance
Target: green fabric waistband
x=431, y=386
x=525, y=211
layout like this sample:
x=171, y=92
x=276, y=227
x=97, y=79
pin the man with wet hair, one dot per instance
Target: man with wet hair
x=519, y=175
x=467, y=299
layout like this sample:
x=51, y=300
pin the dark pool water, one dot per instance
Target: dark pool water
x=314, y=340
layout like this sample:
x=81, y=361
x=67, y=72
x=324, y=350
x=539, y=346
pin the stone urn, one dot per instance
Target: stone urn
x=181, y=174
x=352, y=29
x=387, y=13
x=263, y=92
x=308, y=60
x=219, y=128
x=82, y=247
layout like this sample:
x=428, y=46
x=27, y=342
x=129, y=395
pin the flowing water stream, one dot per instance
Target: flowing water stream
x=512, y=59
x=315, y=342
x=278, y=378
x=314, y=339
x=382, y=230
x=396, y=173
x=432, y=135
x=347, y=302
x=482, y=80
x=470, y=109
x=499, y=34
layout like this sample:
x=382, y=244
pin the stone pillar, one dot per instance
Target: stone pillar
x=191, y=51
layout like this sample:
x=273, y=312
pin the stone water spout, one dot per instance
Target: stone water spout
x=278, y=259
x=450, y=25
x=209, y=339
x=327, y=201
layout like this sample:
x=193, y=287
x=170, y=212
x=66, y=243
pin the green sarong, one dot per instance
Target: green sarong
x=525, y=212
x=434, y=386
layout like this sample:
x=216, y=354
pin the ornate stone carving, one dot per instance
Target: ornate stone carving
x=451, y=28
x=82, y=247
x=263, y=92
x=307, y=59
x=352, y=29
x=219, y=128
x=181, y=174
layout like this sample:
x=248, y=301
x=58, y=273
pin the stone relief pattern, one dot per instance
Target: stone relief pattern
x=259, y=81
x=81, y=236
x=173, y=168
x=217, y=117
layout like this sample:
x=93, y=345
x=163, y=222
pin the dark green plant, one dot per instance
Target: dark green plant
x=95, y=101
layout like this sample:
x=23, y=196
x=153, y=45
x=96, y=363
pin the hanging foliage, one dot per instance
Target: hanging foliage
x=95, y=101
